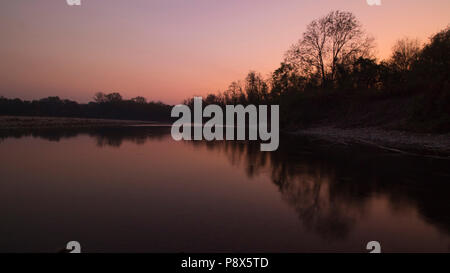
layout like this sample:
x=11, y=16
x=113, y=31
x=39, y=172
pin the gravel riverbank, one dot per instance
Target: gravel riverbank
x=396, y=141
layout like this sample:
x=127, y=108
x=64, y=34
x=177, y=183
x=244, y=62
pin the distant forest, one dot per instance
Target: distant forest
x=329, y=77
x=109, y=106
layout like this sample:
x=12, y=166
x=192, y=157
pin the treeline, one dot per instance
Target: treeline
x=330, y=77
x=110, y=106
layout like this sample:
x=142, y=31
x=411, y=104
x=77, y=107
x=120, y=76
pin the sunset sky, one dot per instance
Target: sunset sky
x=170, y=49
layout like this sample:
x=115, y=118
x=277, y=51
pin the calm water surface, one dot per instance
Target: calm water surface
x=137, y=190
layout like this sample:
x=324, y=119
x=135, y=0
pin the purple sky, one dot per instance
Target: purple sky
x=171, y=49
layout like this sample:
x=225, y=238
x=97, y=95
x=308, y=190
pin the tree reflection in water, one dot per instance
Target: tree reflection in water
x=329, y=186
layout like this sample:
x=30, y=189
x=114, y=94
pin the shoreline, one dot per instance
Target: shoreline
x=432, y=145
x=31, y=122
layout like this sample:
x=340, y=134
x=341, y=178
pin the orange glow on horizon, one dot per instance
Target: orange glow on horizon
x=170, y=50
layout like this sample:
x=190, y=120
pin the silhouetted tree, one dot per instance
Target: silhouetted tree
x=99, y=97
x=113, y=97
x=434, y=60
x=256, y=88
x=405, y=53
x=286, y=78
x=336, y=39
x=235, y=93
x=363, y=73
x=104, y=106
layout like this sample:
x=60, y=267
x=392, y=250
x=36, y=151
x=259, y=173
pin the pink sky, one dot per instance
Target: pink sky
x=170, y=49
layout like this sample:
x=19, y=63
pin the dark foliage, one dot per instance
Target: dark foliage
x=335, y=82
x=110, y=106
x=409, y=91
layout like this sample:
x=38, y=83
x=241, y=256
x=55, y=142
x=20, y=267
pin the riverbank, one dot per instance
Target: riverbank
x=19, y=123
x=392, y=140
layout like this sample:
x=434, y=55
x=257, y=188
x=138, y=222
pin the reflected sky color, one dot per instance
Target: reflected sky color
x=170, y=49
x=138, y=190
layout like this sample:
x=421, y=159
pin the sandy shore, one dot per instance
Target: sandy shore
x=15, y=122
x=396, y=141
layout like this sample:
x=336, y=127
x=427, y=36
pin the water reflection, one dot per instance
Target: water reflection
x=331, y=188
x=113, y=137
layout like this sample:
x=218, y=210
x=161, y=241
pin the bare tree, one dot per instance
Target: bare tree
x=234, y=94
x=256, y=88
x=336, y=39
x=405, y=53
